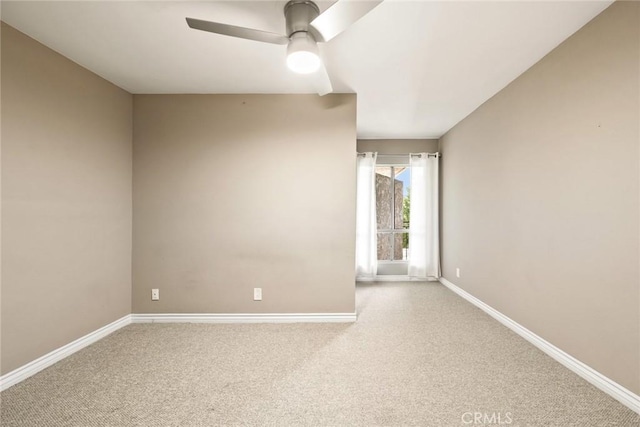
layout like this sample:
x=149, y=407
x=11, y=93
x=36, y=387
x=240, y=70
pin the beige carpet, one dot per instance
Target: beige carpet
x=418, y=355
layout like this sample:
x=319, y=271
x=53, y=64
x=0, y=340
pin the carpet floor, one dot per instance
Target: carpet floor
x=417, y=356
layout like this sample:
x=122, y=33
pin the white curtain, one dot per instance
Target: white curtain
x=424, y=238
x=366, y=237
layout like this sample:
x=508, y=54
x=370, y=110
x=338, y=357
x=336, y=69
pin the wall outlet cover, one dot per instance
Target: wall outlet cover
x=257, y=294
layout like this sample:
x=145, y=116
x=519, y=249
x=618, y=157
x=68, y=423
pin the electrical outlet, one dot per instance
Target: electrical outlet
x=155, y=294
x=458, y=272
x=257, y=294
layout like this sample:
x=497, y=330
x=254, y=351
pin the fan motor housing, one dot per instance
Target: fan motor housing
x=299, y=14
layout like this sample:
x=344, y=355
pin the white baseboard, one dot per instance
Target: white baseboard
x=244, y=318
x=393, y=278
x=612, y=388
x=31, y=368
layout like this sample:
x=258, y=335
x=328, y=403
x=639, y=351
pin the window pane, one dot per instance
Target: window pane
x=384, y=246
x=383, y=198
x=398, y=252
x=405, y=246
x=402, y=200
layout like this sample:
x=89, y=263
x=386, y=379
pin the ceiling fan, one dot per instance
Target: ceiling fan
x=305, y=28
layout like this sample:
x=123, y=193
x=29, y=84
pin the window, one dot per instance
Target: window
x=392, y=211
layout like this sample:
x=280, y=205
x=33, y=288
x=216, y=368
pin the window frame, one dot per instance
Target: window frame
x=393, y=231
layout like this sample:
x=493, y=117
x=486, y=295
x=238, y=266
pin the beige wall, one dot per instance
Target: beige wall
x=66, y=200
x=233, y=192
x=0, y=194
x=398, y=146
x=540, y=197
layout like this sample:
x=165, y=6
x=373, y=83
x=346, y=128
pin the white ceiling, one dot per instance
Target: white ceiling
x=418, y=67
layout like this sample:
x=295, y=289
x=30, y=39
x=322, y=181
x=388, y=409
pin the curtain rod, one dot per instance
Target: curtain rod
x=405, y=154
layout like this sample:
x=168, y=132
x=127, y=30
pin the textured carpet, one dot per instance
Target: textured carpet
x=418, y=355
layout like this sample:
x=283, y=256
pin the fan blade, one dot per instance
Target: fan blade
x=241, y=32
x=321, y=81
x=340, y=16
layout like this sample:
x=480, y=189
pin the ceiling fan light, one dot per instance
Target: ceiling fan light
x=302, y=54
x=303, y=62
